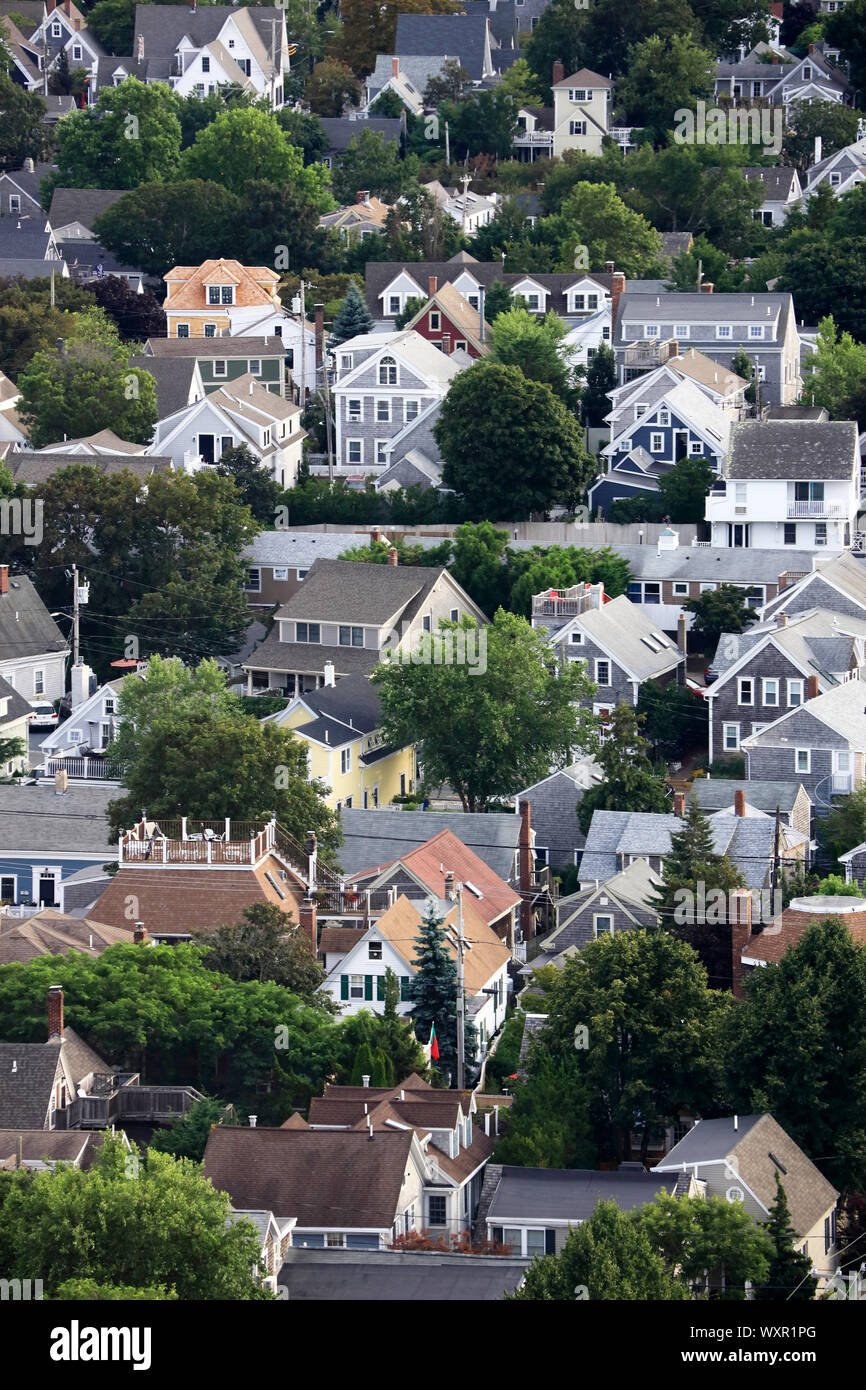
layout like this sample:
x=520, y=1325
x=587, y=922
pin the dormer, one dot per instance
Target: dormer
x=533, y=293
x=585, y=296
x=220, y=290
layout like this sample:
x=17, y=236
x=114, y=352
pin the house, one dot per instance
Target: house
x=812, y=78
x=47, y=834
x=456, y=1151
x=717, y=325
x=449, y=322
x=341, y=131
x=27, y=58
x=12, y=428
x=619, y=646
x=187, y=876
x=103, y=442
x=841, y=171
x=29, y=239
x=92, y=724
x=52, y=933
x=822, y=744
x=218, y=296
x=19, y=190
x=775, y=667
x=275, y=1239
x=533, y=138
x=465, y=36
x=343, y=1187
x=554, y=802
x=790, y=799
x=87, y=261
x=63, y=29
x=349, y=614
x=788, y=482
x=33, y=467
x=389, y=76
x=365, y=217
x=837, y=584
x=532, y=1210
x=470, y=211
x=178, y=381
x=224, y=359
x=384, y=382
x=755, y=946
x=15, y=714
x=33, y=651
x=40, y=1149
x=243, y=413
x=397, y=1275
x=73, y=211
x=617, y=839
x=278, y=562
x=581, y=111
x=782, y=190
x=494, y=838
x=358, y=979
x=740, y=1156
x=340, y=726
x=623, y=903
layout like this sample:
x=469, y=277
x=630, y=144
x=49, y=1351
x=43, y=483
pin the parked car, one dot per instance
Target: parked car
x=44, y=715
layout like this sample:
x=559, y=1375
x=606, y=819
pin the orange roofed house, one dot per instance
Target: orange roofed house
x=219, y=297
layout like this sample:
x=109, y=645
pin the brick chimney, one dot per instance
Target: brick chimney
x=558, y=73
x=617, y=290
x=739, y=802
x=395, y=67
x=139, y=936
x=307, y=922
x=811, y=687
x=320, y=336
x=679, y=803
x=362, y=196
x=673, y=348
x=4, y=579
x=707, y=287
x=432, y=285
x=55, y=1013
x=741, y=929
x=393, y=558
x=525, y=863
x=781, y=620
x=375, y=536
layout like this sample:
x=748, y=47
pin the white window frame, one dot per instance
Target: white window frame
x=657, y=442
x=681, y=588
x=354, y=410
x=254, y=366
x=254, y=580
x=603, y=661
x=39, y=680
x=724, y=330
x=770, y=681
x=411, y=403
x=800, y=690
x=756, y=330
x=387, y=365
x=730, y=747
x=745, y=680
x=382, y=452
x=682, y=330
x=383, y=401
x=359, y=987
x=220, y=366
x=651, y=330
x=800, y=753
x=602, y=917
x=281, y=573
x=359, y=462
x=345, y=761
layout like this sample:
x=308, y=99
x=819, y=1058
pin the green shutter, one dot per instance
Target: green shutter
x=380, y=986
x=368, y=986
x=344, y=986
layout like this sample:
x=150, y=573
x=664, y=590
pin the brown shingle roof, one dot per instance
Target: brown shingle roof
x=52, y=933
x=197, y=898
x=809, y=1193
x=339, y=939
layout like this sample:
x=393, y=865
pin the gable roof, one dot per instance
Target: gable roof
x=35, y=820
x=163, y=31
x=571, y=1194
x=27, y=1073
x=230, y=346
x=353, y=702
x=633, y=640
x=176, y=379
x=445, y=852
x=773, y=309
x=428, y=35
x=584, y=77
x=186, y=282
x=484, y=955
x=341, y=130
x=844, y=572
x=718, y=794
x=842, y=709
x=369, y=836
x=746, y=840
x=26, y=626
x=52, y=933
x=355, y=592
x=418, y=352
x=459, y=311
x=17, y=707
x=32, y=466
x=82, y=205
x=794, y=449
x=378, y=275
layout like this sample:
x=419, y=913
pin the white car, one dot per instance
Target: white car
x=44, y=715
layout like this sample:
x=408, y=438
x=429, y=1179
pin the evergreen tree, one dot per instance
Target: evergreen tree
x=383, y=1069
x=549, y=1124
x=497, y=300
x=600, y=379
x=790, y=1274
x=364, y=1066
x=434, y=995
x=741, y=365
x=692, y=901
x=354, y=317
x=629, y=781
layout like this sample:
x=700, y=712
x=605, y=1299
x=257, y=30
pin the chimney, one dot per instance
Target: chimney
x=312, y=856
x=673, y=348
x=61, y=781
x=362, y=195
x=811, y=48
x=682, y=634
x=811, y=687
x=55, y=1013
x=617, y=290
x=375, y=536
x=329, y=673
x=707, y=287
x=558, y=73
x=253, y=1119
x=740, y=901
x=525, y=864
x=739, y=802
x=679, y=803
x=819, y=150
x=139, y=48
x=79, y=685
x=395, y=67
x=320, y=336
x=365, y=1080
x=775, y=57
x=29, y=166
x=432, y=285
x=781, y=620
x=139, y=936
x=307, y=922
x=392, y=556
x=609, y=267
x=4, y=579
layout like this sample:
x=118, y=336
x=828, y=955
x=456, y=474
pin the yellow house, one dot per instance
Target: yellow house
x=218, y=297
x=339, y=723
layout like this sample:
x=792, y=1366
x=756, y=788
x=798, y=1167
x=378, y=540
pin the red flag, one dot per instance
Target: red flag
x=434, y=1045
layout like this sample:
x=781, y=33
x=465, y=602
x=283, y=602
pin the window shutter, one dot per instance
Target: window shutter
x=496, y=1234
x=368, y=986
x=380, y=986
x=344, y=986
x=550, y=1242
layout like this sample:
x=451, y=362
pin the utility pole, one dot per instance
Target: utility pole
x=447, y=145
x=75, y=615
x=452, y=891
x=465, y=180
x=52, y=287
x=303, y=345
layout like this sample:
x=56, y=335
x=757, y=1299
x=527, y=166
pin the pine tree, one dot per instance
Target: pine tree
x=364, y=1066
x=354, y=317
x=383, y=1068
x=600, y=379
x=790, y=1273
x=434, y=995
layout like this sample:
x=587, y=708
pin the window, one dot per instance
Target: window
x=723, y=330
x=226, y=443
x=302, y=574
x=38, y=682
x=761, y=373
x=657, y=443
x=183, y=330
x=426, y=623
x=351, y=637
x=820, y=533
x=681, y=589
x=533, y=302
x=802, y=760
x=76, y=736
x=205, y=64
x=652, y=593
x=355, y=450
x=76, y=52
x=109, y=706
x=335, y=1240
x=664, y=418
x=730, y=737
x=745, y=691
x=455, y=615
x=281, y=573
x=602, y=924
x=14, y=202
x=681, y=330
x=383, y=410
x=577, y=94
x=56, y=31
x=536, y=1242
x=410, y=409
x=770, y=691
x=345, y=760
x=577, y=127
x=356, y=986
x=651, y=330
x=790, y=533
x=435, y=321
x=382, y=451
x=437, y=1210
x=346, y=362
x=210, y=330
x=374, y=950
x=220, y=366
x=807, y=73
x=602, y=673
x=308, y=632
x=213, y=294
x=387, y=372
x=756, y=330
x=577, y=638
x=795, y=693
x=8, y=892
x=228, y=294
x=835, y=180
x=353, y=411
x=254, y=581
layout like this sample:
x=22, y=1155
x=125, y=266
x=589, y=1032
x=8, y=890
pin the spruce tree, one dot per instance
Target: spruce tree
x=434, y=995
x=354, y=317
x=790, y=1273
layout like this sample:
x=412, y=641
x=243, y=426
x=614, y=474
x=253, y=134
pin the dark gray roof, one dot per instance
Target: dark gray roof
x=35, y=820
x=27, y=268
x=713, y=562
x=710, y=1139
x=571, y=1194
x=794, y=449
x=797, y=412
x=503, y=22
x=458, y=36
x=29, y=181
x=350, y=591
x=775, y=178
x=230, y=346
x=715, y=794
x=82, y=205
x=381, y=836
x=379, y=274
x=31, y=467
x=26, y=626
x=83, y=257
x=386, y=1275
x=173, y=377
x=340, y=130
x=17, y=704
x=274, y=655
x=352, y=698
x=162, y=29
x=27, y=1072
x=24, y=238
x=698, y=309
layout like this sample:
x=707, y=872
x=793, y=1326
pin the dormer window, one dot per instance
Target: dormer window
x=651, y=330
x=756, y=330
x=387, y=372
x=723, y=330
x=56, y=30
x=807, y=73
x=577, y=94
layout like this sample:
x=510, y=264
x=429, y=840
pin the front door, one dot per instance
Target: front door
x=206, y=447
x=47, y=896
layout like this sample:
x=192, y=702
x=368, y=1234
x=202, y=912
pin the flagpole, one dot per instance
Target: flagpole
x=461, y=1002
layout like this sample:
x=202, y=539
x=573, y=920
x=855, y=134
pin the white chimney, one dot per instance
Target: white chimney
x=819, y=149
x=365, y=1080
x=330, y=672
x=735, y=1123
x=253, y=1119
x=80, y=685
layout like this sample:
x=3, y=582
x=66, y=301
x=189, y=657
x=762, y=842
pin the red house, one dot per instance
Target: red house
x=449, y=322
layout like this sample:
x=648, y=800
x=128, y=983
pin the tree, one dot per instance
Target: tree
x=548, y=1123
x=600, y=381
x=674, y=719
x=87, y=386
x=449, y=85
x=136, y=316
x=245, y=144
x=558, y=567
x=606, y=1257
x=614, y=26
x=22, y=115
x=845, y=825
x=523, y=340
x=847, y=31
x=491, y=734
x=594, y=216
x=497, y=300
x=330, y=86
x=354, y=317
x=434, y=994
x=741, y=365
x=371, y=29
x=187, y=1137
x=112, y=23
x=665, y=75
x=420, y=228
x=509, y=444
x=89, y=1291
x=721, y=610
x=835, y=374
x=629, y=783
x=684, y=489
x=305, y=132
x=364, y=1066
x=180, y=223
x=796, y=1047
x=281, y=220
x=139, y=1233
x=485, y=122
x=790, y=1273
x=839, y=289
x=522, y=85
x=706, y=1243
x=374, y=164
x=478, y=564
x=557, y=37
x=266, y=945
x=414, y=304
x=832, y=121
x=11, y=749
x=693, y=899
x=129, y=137
x=253, y=481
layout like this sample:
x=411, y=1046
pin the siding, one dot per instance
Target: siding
x=725, y=705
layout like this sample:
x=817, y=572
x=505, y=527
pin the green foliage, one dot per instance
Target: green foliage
x=548, y=1123
x=835, y=374
x=845, y=826
x=414, y=304
x=502, y=1064
x=790, y=1272
x=29, y=324
x=731, y=766
x=22, y=116
x=558, y=567
x=533, y=344
x=188, y=1136
x=600, y=381
x=90, y=1291
x=487, y=736
x=129, y=137
x=834, y=885
x=364, y=1066
x=246, y=144
x=717, y=611
x=484, y=123
x=684, y=489
x=158, y=226
x=266, y=945
x=594, y=216
x=674, y=719
x=354, y=317
x=253, y=481
x=434, y=995
x=306, y=133
x=629, y=783
x=846, y=30
x=330, y=86
x=374, y=164
x=704, y=1241
x=112, y=23
x=497, y=300
x=665, y=75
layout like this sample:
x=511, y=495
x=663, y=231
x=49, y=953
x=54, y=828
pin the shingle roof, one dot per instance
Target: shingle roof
x=174, y=378
x=26, y=627
x=32, y=466
x=297, y=549
x=401, y=924
x=633, y=639
x=712, y=562
x=341, y=131
x=352, y=592
x=697, y=309
x=397, y=1275
x=35, y=819
x=460, y=36
x=163, y=31
x=82, y=205
x=339, y=939
x=191, y=899
x=379, y=274
x=274, y=655
x=231, y=346
x=325, y=1178
x=51, y=933
x=584, y=77
x=747, y=841
x=13, y=267
x=80, y=1058
x=445, y=851
x=51, y=1146
x=794, y=449
x=571, y=1194
x=353, y=700
x=718, y=794
x=842, y=709
x=27, y=1072
x=379, y=836
x=777, y=180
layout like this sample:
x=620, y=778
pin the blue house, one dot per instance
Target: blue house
x=47, y=835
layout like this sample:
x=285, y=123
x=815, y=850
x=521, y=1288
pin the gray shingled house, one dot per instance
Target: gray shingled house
x=822, y=744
